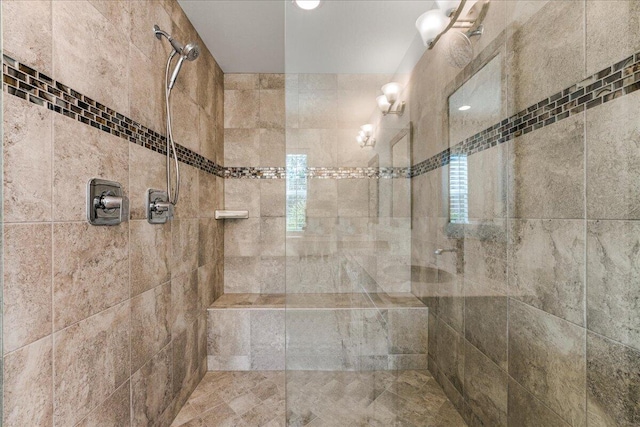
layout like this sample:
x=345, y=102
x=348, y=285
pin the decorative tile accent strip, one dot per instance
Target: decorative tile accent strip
x=622, y=78
x=31, y=85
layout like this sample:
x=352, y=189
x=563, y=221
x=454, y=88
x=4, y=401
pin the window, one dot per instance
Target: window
x=458, y=191
x=296, y=192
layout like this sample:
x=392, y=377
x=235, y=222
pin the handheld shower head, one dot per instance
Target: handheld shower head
x=190, y=52
x=174, y=43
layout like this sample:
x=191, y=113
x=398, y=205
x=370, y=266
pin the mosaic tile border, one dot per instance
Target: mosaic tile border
x=615, y=81
x=31, y=85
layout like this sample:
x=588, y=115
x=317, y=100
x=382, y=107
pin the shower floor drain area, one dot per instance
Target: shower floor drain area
x=318, y=398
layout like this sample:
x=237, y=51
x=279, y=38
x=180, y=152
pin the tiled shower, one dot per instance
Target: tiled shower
x=476, y=265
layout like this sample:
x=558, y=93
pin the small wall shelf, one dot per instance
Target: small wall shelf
x=224, y=214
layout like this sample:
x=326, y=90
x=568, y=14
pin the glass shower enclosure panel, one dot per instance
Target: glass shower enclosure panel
x=352, y=323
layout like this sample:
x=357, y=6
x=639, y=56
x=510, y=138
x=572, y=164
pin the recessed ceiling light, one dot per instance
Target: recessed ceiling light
x=307, y=4
x=464, y=107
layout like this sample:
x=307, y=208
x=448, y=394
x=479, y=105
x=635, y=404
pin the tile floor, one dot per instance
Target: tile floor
x=317, y=398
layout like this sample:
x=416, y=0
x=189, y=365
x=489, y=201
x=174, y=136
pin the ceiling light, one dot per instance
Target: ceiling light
x=307, y=4
x=464, y=107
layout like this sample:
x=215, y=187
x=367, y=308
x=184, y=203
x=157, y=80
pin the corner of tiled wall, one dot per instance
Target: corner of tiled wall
x=106, y=325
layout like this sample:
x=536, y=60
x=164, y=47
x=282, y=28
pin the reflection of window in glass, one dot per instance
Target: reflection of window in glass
x=296, y=192
x=458, y=191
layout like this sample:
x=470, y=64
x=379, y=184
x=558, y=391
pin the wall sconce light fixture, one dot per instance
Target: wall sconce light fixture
x=365, y=136
x=388, y=103
x=434, y=23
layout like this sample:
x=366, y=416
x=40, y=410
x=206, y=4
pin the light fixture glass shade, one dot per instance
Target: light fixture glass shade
x=447, y=5
x=366, y=130
x=307, y=4
x=392, y=92
x=430, y=24
x=360, y=139
x=383, y=103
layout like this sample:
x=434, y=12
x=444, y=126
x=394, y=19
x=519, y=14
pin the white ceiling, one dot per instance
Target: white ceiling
x=341, y=36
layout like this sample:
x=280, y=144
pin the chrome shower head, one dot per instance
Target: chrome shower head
x=191, y=51
x=174, y=43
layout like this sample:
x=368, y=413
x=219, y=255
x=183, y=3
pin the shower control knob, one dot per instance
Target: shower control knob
x=109, y=202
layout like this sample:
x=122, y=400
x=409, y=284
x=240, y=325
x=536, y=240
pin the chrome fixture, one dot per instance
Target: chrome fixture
x=222, y=214
x=159, y=209
x=190, y=52
x=440, y=251
x=106, y=205
x=433, y=24
x=389, y=102
x=365, y=136
x=307, y=4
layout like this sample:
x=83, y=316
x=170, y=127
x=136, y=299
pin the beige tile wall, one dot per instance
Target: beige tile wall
x=538, y=309
x=270, y=115
x=105, y=325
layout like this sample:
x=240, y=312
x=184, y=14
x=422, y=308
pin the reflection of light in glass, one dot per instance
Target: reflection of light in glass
x=307, y=4
x=296, y=192
x=464, y=107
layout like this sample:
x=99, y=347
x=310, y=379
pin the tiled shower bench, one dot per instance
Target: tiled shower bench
x=348, y=331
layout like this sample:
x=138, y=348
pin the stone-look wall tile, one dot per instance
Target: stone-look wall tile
x=207, y=195
x=27, y=284
x=272, y=198
x=546, y=169
x=272, y=236
x=272, y=147
x=526, y=411
x=320, y=145
x=546, y=355
x=539, y=66
x=229, y=333
x=241, y=274
x=27, y=381
x=211, y=137
x=147, y=169
x=353, y=198
x=485, y=257
x=90, y=355
x=546, y=266
x=147, y=102
x=82, y=152
x=184, y=246
x=408, y=331
x=144, y=15
x=27, y=165
x=150, y=324
x=114, y=412
x=187, y=207
x=272, y=275
x=272, y=81
x=486, y=323
x=487, y=183
x=322, y=198
x=98, y=73
x=613, y=275
x=242, y=238
x=185, y=117
x=151, y=391
x=185, y=359
x=450, y=355
x=485, y=388
x=612, y=32
x=208, y=240
x=184, y=302
x=272, y=109
x=90, y=270
x=612, y=383
x=242, y=194
x=241, y=81
x=241, y=109
x=242, y=148
x=33, y=47
x=267, y=339
x=612, y=159
x=318, y=109
x=149, y=252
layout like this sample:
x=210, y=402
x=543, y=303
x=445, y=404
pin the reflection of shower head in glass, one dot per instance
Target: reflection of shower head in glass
x=459, y=50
